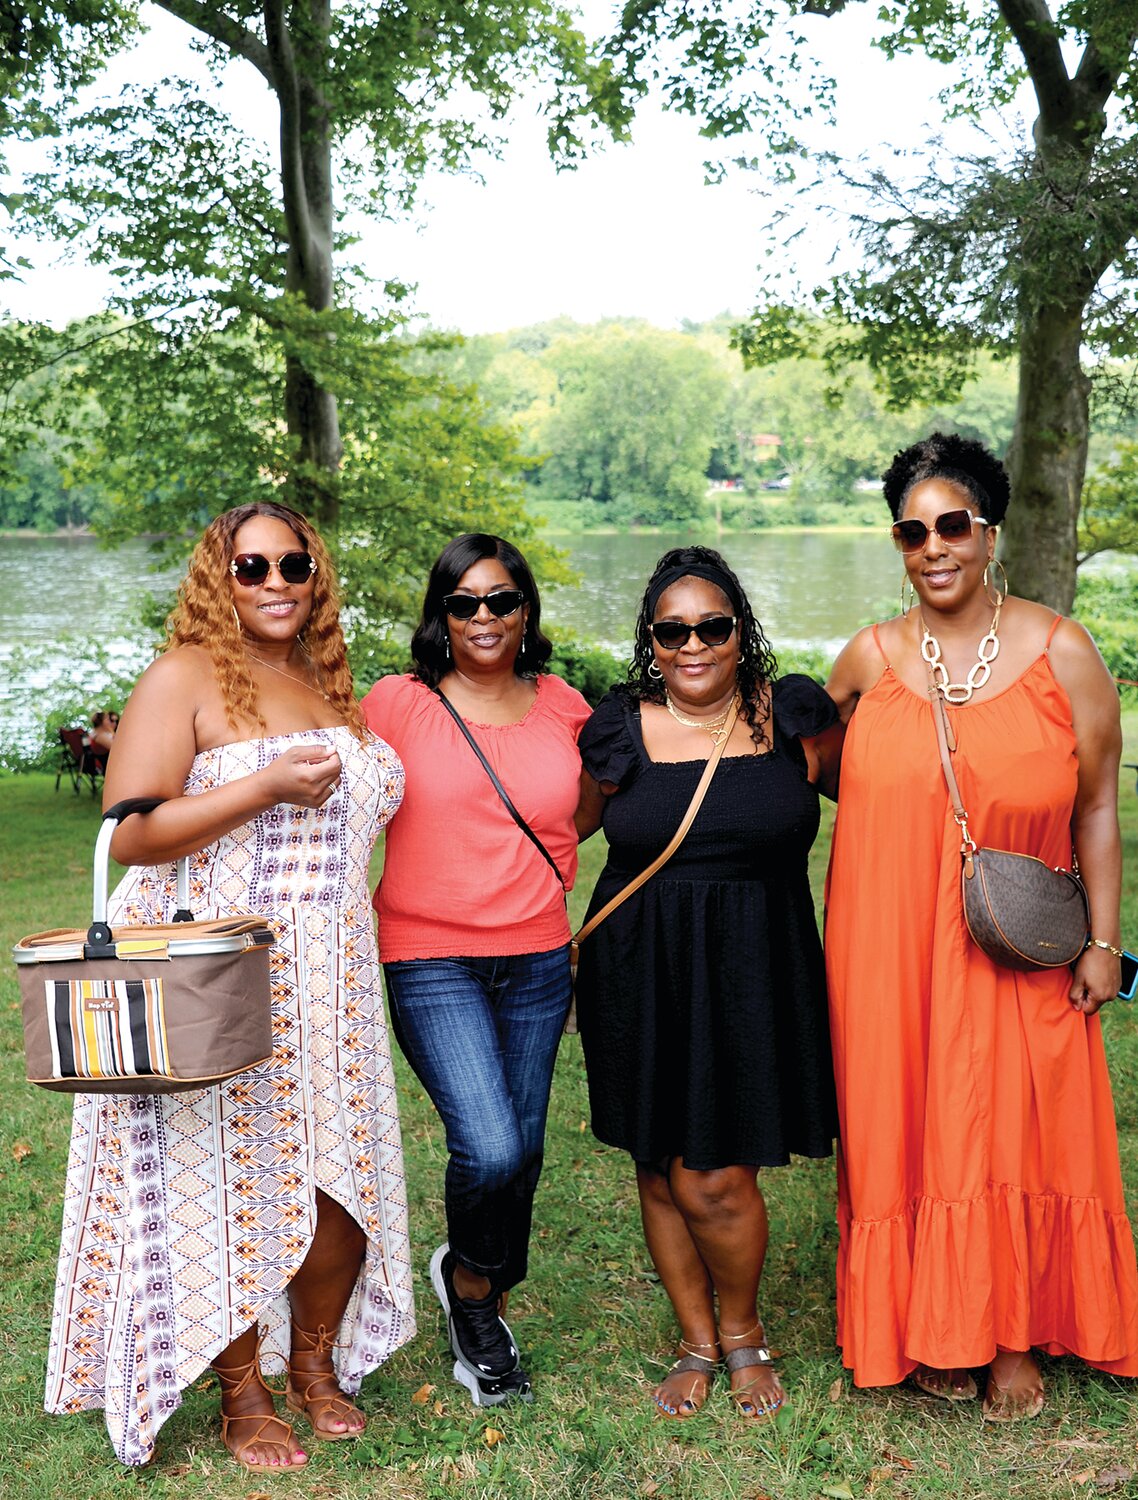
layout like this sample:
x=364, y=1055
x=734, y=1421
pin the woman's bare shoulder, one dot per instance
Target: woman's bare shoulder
x=177, y=670
x=859, y=664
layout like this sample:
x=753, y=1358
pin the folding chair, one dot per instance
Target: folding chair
x=78, y=761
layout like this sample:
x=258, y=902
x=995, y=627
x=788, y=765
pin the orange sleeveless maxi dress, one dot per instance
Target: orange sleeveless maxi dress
x=980, y=1199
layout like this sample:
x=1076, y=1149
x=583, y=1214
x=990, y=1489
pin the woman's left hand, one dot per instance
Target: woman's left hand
x=1098, y=975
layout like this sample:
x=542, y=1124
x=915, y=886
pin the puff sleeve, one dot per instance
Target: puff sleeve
x=802, y=707
x=608, y=750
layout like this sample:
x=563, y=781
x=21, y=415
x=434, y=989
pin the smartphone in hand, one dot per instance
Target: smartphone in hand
x=1129, y=986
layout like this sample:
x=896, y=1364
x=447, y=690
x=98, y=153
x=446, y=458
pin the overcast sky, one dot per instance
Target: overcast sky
x=634, y=231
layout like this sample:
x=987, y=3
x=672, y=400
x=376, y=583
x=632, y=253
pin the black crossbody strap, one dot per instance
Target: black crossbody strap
x=499, y=788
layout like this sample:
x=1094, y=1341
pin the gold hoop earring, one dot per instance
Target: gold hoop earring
x=654, y=669
x=907, y=582
x=994, y=562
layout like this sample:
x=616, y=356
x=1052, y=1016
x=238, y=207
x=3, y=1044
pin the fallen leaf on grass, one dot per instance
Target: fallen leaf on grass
x=438, y=1408
x=422, y=1395
x=838, y=1491
x=649, y=1487
x=21, y=1150
x=838, y=1389
x=1113, y=1478
x=1084, y=1477
x=491, y=1437
x=898, y=1459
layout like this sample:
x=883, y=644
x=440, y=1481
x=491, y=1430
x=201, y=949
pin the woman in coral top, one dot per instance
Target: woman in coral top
x=981, y=1211
x=473, y=933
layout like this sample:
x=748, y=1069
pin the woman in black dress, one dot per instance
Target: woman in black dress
x=702, y=998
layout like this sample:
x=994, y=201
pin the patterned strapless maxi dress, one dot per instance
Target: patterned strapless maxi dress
x=186, y=1215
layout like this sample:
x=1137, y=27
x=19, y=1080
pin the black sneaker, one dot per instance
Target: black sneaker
x=479, y=1339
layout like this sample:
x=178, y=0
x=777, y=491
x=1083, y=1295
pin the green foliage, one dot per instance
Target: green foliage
x=633, y=424
x=1109, y=516
x=1107, y=604
x=590, y=669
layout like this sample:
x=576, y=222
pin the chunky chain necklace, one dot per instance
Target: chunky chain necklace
x=282, y=673
x=978, y=673
x=718, y=728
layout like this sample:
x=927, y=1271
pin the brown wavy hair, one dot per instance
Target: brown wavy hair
x=204, y=616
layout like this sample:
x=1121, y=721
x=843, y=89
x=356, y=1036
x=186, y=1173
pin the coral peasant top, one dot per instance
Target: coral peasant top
x=460, y=878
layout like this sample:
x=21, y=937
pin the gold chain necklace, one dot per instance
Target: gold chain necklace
x=718, y=728
x=978, y=673
x=281, y=673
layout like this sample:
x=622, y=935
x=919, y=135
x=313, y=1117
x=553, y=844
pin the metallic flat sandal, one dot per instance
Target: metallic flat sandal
x=741, y=1358
x=691, y=1361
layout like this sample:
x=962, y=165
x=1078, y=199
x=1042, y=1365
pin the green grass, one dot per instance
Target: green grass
x=594, y=1323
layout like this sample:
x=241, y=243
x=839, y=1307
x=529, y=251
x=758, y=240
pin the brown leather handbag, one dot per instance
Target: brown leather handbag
x=1018, y=910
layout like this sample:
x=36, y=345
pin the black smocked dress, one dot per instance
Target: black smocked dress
x=702, y=999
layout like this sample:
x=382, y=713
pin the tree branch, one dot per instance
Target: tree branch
x=294, y=191
x=213, y=21
x=1033, y=27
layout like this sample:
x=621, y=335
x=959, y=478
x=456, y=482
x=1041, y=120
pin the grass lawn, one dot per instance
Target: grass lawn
x=593, y=1322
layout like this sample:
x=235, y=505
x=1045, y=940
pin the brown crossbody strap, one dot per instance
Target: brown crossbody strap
x=946, y=742
x=662, y=858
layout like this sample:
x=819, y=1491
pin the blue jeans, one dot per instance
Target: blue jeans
x=482, y=1035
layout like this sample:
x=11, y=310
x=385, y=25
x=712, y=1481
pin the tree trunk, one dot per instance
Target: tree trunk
x=1047, y=458
x=299, y=50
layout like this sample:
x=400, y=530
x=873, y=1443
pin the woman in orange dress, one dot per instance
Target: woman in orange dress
x=980, y=1202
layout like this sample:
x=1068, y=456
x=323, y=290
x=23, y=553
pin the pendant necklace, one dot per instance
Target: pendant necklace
x=281, y=673
x=718, y=728
x=978, y=673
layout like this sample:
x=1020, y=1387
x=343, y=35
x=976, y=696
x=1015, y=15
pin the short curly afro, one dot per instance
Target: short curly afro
x=962, y=461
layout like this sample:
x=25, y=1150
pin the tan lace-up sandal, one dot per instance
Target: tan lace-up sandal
x=271, y=1431
x=694, y=1363
x=750, y=1351
x=320, y=1406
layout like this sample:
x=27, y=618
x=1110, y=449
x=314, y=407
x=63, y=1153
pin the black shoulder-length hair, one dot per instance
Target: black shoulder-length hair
x=430, y=645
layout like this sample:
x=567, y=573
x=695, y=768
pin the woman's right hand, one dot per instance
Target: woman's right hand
x=305, y=775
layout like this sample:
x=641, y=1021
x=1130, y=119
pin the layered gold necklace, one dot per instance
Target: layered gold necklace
x=978, y=673
x=718, y=728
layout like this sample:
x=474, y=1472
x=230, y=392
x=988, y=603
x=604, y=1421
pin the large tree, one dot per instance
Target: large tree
x=243, y=352
x=1030, y=249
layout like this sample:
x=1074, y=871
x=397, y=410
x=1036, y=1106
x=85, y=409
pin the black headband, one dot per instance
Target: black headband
x=709, y=571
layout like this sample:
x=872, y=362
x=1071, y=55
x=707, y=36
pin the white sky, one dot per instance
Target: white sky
x=634, y=231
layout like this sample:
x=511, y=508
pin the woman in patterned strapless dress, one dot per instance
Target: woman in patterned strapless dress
x=260, y=1226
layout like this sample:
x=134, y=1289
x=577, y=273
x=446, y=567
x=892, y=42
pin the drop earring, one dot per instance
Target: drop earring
x=907, y=582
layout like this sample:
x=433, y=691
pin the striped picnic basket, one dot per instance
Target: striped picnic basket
x=144, y=1009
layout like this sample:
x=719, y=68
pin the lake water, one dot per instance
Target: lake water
x=809, y=589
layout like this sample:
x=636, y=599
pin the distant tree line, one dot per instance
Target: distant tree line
x=623, y=424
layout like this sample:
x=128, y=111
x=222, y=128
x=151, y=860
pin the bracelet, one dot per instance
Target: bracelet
x=1107, y=947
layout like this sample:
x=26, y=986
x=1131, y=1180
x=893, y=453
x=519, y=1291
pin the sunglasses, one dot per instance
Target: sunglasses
x=466, y=606
x=251, y=568
x=952, y=526
x=672, y=634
